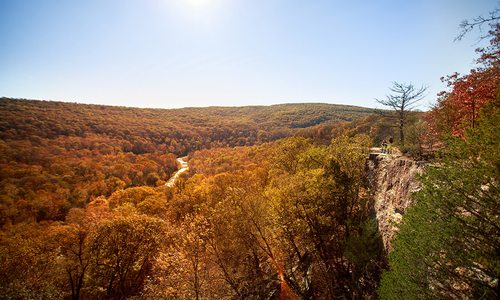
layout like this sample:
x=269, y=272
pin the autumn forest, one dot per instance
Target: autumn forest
x=276, y=203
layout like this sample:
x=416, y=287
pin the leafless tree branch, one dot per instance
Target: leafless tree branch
x=467, y=26
x=402, y=100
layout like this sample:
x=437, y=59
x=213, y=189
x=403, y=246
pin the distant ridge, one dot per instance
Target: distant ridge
x=190, y=107
x=180, y=129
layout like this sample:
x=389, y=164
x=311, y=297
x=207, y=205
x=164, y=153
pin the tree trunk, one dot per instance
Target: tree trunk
x=401, y=133
x=73, y=296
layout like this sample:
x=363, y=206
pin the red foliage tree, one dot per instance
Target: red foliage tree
x=458, y=109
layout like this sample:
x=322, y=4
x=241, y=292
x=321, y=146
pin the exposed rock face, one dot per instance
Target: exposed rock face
x=392, y=180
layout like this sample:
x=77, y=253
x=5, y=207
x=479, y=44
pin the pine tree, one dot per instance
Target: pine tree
x=449, y=244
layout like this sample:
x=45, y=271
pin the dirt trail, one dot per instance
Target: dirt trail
x=184, y=168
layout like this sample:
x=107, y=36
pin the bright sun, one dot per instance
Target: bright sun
x=198, y=3
x=205, y=11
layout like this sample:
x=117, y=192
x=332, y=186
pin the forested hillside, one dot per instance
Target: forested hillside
x=55, y=156
x=177, y=131
x=273, y=202
x=78, y=182
x=249, y=222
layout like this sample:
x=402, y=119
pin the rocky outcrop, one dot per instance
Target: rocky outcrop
x=392, y=180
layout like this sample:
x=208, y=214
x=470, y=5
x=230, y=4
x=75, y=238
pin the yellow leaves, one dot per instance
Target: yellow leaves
x=28, y=261
x=287, y=153
x=133, y=196
x=350, y=154
x=153, y=206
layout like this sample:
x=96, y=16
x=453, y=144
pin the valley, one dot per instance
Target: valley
x=116, y=209
x=136, y=164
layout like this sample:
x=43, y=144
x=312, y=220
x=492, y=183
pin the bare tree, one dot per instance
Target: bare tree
x=402, y=101
x=468, y=25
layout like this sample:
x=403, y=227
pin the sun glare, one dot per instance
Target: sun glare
x=198, y=4
x=207, y=12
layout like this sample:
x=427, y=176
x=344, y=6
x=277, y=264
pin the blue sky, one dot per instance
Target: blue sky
x=178, y=53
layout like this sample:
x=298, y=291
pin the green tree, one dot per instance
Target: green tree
x=448, y=245
x=320, y=215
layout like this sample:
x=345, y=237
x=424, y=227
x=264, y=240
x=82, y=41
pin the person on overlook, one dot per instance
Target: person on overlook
x=384, y=146
x=389, y=145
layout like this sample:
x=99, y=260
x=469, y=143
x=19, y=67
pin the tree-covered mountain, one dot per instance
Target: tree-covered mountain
x=176, y=131
x=55, y=156
x=277, y=202
x=81, y=184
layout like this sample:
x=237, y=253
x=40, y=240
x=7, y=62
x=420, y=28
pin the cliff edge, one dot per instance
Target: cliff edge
x=391, y=180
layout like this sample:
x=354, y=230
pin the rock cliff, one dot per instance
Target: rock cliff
x=392, y=180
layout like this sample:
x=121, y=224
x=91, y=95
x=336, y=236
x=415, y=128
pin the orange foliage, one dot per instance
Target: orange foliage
x=458, y=109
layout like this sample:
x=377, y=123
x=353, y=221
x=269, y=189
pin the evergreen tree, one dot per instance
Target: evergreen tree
x=449, y=244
